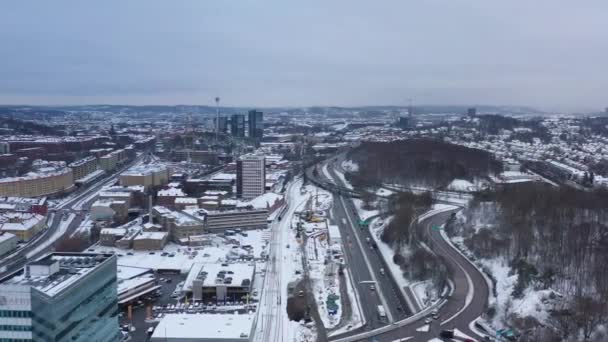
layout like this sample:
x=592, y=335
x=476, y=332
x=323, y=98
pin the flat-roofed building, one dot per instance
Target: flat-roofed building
x=83, y=167
x=220, y=282
x=150, y=241
x=187, y=328
x=61, y=297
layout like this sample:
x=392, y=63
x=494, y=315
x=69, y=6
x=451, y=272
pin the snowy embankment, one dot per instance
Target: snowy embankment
x=350, y=166
x=57, y=234
x=534, y=303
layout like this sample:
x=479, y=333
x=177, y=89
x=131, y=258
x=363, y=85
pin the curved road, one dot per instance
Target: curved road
x=466, y=303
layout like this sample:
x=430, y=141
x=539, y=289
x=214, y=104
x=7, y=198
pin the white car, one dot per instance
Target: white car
x=428, y=321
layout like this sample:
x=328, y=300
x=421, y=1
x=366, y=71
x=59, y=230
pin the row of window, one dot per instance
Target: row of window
x=14, y=340
x=15, y=328
x=15, y=314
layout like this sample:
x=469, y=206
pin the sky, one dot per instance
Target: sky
x=547, y=54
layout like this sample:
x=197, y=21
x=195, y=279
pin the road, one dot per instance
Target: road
x=272, y=321
x=78, y=204
x=467, y=302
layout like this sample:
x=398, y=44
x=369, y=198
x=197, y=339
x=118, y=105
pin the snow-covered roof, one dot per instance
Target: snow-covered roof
x=213, y=327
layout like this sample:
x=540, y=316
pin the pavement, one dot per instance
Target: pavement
x=466, y=303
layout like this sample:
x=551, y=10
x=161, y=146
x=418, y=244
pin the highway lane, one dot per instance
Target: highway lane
x=397, y=304
x=467, y=302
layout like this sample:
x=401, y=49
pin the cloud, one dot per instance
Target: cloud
x=265, y=53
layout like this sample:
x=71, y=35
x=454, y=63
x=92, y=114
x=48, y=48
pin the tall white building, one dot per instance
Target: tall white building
x=250, y=176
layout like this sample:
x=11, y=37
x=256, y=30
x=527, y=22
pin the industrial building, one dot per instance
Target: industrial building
x=205, y=328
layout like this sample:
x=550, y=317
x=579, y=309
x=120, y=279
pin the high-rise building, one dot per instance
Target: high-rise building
x=472, y=111
x=237, y=125
x=223, y=124
x=61, y=297
x=250, y=176
x=256, y=124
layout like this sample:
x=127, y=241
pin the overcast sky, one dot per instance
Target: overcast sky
x=544, y=53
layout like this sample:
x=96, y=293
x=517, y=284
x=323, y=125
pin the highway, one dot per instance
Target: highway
x=466, y=303
x=78, y=203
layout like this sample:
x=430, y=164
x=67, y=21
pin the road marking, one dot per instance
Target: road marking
x=367, y=262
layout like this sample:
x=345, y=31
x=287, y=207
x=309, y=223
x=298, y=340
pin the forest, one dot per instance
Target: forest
x=554, y=238
x=425, y=162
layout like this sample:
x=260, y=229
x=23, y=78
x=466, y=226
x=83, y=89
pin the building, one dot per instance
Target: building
x=4, y=148
x=147, y=175
x=61, y=297
x=150, y=241
x=250, y=176
x=83, y=167
x=8, y=242
x=237, y=125
x=472, y=111
x=219, y=328
x=197, y=156
x=180, y=225
x=241, y=218
x=24, y=225
x=109, y=211
x=22, y=204
x=46, y=181
x=256, y=124
x=219, y=282
x=109, y=236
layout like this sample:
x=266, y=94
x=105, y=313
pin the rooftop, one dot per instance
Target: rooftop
x=71, y=268
x=215, y=327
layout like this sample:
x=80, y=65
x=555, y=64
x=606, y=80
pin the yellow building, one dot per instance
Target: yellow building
x=36, y=184
x=23, y=225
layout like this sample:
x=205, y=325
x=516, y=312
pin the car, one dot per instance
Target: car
x=372, y=288
x=428, y=320
x=301, y=293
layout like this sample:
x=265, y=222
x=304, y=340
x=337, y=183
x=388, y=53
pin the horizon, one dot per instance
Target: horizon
x=342, y=53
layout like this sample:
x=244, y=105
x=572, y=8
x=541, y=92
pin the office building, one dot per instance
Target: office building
x=256, y=124
x=472, y=111
x=188, y=328
x=61, y=297
x=237, y=125
x=250, y=176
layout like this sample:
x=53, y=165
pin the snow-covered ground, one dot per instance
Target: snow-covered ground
x=343, y=179
x=364, y=214
x=534, y=303
x=461, y=185
x=350, y=166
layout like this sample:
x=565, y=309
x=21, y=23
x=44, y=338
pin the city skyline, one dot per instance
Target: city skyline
x=339, y=53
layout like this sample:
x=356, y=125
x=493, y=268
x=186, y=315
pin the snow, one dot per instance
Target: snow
x=364, y=214
x=423, y=292
x=424, y=328
x=461, y=185
x=191, y=327
x=350, y=166
x=343, y=179
x=221, y=250
x=57, y=234
x=356, y=320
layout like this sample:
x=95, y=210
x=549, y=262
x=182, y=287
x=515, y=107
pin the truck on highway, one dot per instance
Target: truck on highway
x=381, y=312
